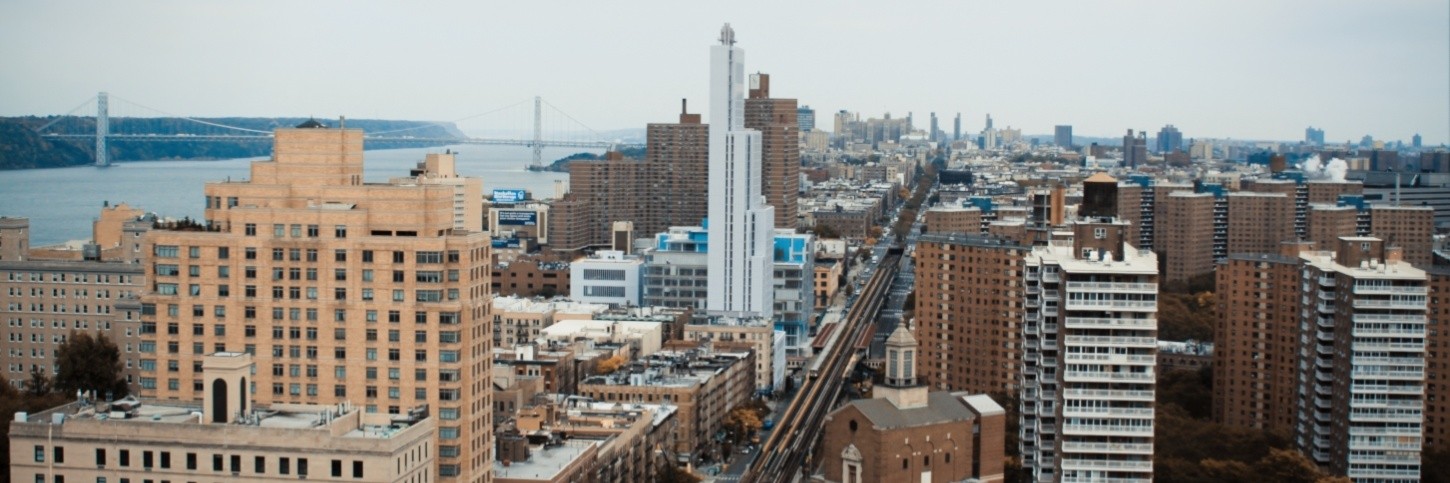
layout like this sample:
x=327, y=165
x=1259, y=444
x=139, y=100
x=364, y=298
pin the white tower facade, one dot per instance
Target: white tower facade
x=740, y=223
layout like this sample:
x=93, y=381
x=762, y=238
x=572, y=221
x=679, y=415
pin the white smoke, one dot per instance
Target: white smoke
x=1314, y=168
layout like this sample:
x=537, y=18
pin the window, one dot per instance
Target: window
x=302, y=466
x=312, y=231
x=259, y=465
x=429, y=257
x=1100, y=233
x=100, y=457
x=217, y=462
x=39, y=454
x=278, y=231
x=124, y=458
x=59, y=454
x=284, y=466
x=190, y=461
x=357, y=469
x=339, y=231
x=336, y=468
x=251, y=229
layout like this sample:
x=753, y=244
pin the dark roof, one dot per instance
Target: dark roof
x=311, y=124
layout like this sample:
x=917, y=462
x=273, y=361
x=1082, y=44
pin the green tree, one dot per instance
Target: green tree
x=90, y=363
x=39, y=383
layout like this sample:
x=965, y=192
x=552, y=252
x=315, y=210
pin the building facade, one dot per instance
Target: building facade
x=1090, y=347
x=307, y=268
x=969, y=297
x=740, y=224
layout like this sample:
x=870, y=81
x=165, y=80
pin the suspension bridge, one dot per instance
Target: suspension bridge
x=551, y=127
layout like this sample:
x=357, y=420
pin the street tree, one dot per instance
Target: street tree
x=90, y=363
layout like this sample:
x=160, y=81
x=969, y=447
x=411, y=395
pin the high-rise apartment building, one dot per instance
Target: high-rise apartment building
x=780, y=149
x=1062, y=136
x=740, y=223
x=1437, y=360
x=1257, y=340
x=677, y=162
x=1362, y=361
x=968, y=308
x=341, y=290
x=1135, y=149
x=1259, y=222
x=1089, y=356
x=1169, y=139
x=1186, y=245
x=957, y=128
x=1313, y=136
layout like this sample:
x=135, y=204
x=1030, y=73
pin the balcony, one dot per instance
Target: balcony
x=1357, y=431
x=1108, y=412
x=1376, y=345
x=1110, y=358
x=1386, y=415
x=1113, y=341
x=1110, y=465
x=1113, y=287
x=1106, y=430
x=1373, y=444
x=1109, y=394
x=1099, y=376
x=1119, y=448
x=1147, y=305
x=1390, y=290
x=1391, y=318
x=1389, y=304
x=1359, y=331
x=1110, y=323
x=1326, y=281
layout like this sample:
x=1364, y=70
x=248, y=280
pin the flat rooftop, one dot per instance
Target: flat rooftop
x=544, y=463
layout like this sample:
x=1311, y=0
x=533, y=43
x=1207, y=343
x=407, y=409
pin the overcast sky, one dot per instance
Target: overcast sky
x=1239, y=69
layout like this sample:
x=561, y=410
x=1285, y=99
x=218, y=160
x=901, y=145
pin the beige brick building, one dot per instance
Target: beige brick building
x=48, y=292
x=192, y=440
x=343, y=291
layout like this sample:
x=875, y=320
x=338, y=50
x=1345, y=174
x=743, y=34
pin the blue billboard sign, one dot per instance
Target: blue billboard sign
x=509, y=195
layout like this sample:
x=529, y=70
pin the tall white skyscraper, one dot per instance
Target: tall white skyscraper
x=740, y=223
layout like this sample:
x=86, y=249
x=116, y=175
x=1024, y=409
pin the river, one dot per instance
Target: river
x=62, y=202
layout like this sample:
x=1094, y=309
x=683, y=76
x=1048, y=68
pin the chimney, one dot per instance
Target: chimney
x=685, y=116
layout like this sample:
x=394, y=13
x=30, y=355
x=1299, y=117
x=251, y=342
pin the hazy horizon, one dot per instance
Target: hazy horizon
x=1215, y=70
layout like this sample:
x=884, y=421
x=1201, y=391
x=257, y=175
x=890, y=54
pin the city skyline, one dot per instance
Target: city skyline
x=1214, y=70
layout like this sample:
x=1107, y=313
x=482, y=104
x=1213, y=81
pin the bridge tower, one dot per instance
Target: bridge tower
x=103, y=128
x=538, y=133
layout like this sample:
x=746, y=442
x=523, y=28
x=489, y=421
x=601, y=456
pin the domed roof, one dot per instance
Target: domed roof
x=311, y=124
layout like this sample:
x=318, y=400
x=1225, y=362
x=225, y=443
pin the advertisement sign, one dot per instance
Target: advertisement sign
x=518, y=218
x=509, y=196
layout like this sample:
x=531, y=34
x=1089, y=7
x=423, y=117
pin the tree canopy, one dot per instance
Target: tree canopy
x=90, y=363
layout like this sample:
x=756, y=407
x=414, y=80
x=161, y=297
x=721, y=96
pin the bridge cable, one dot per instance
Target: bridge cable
x=62, y=117
x=445, y=123
x=576, y=121
x=178, y=116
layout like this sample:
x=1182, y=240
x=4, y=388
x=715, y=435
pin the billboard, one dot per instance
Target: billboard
x=509, y=195
x=518, y=218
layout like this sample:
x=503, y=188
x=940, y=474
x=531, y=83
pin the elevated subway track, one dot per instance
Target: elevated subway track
x=790, y=448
